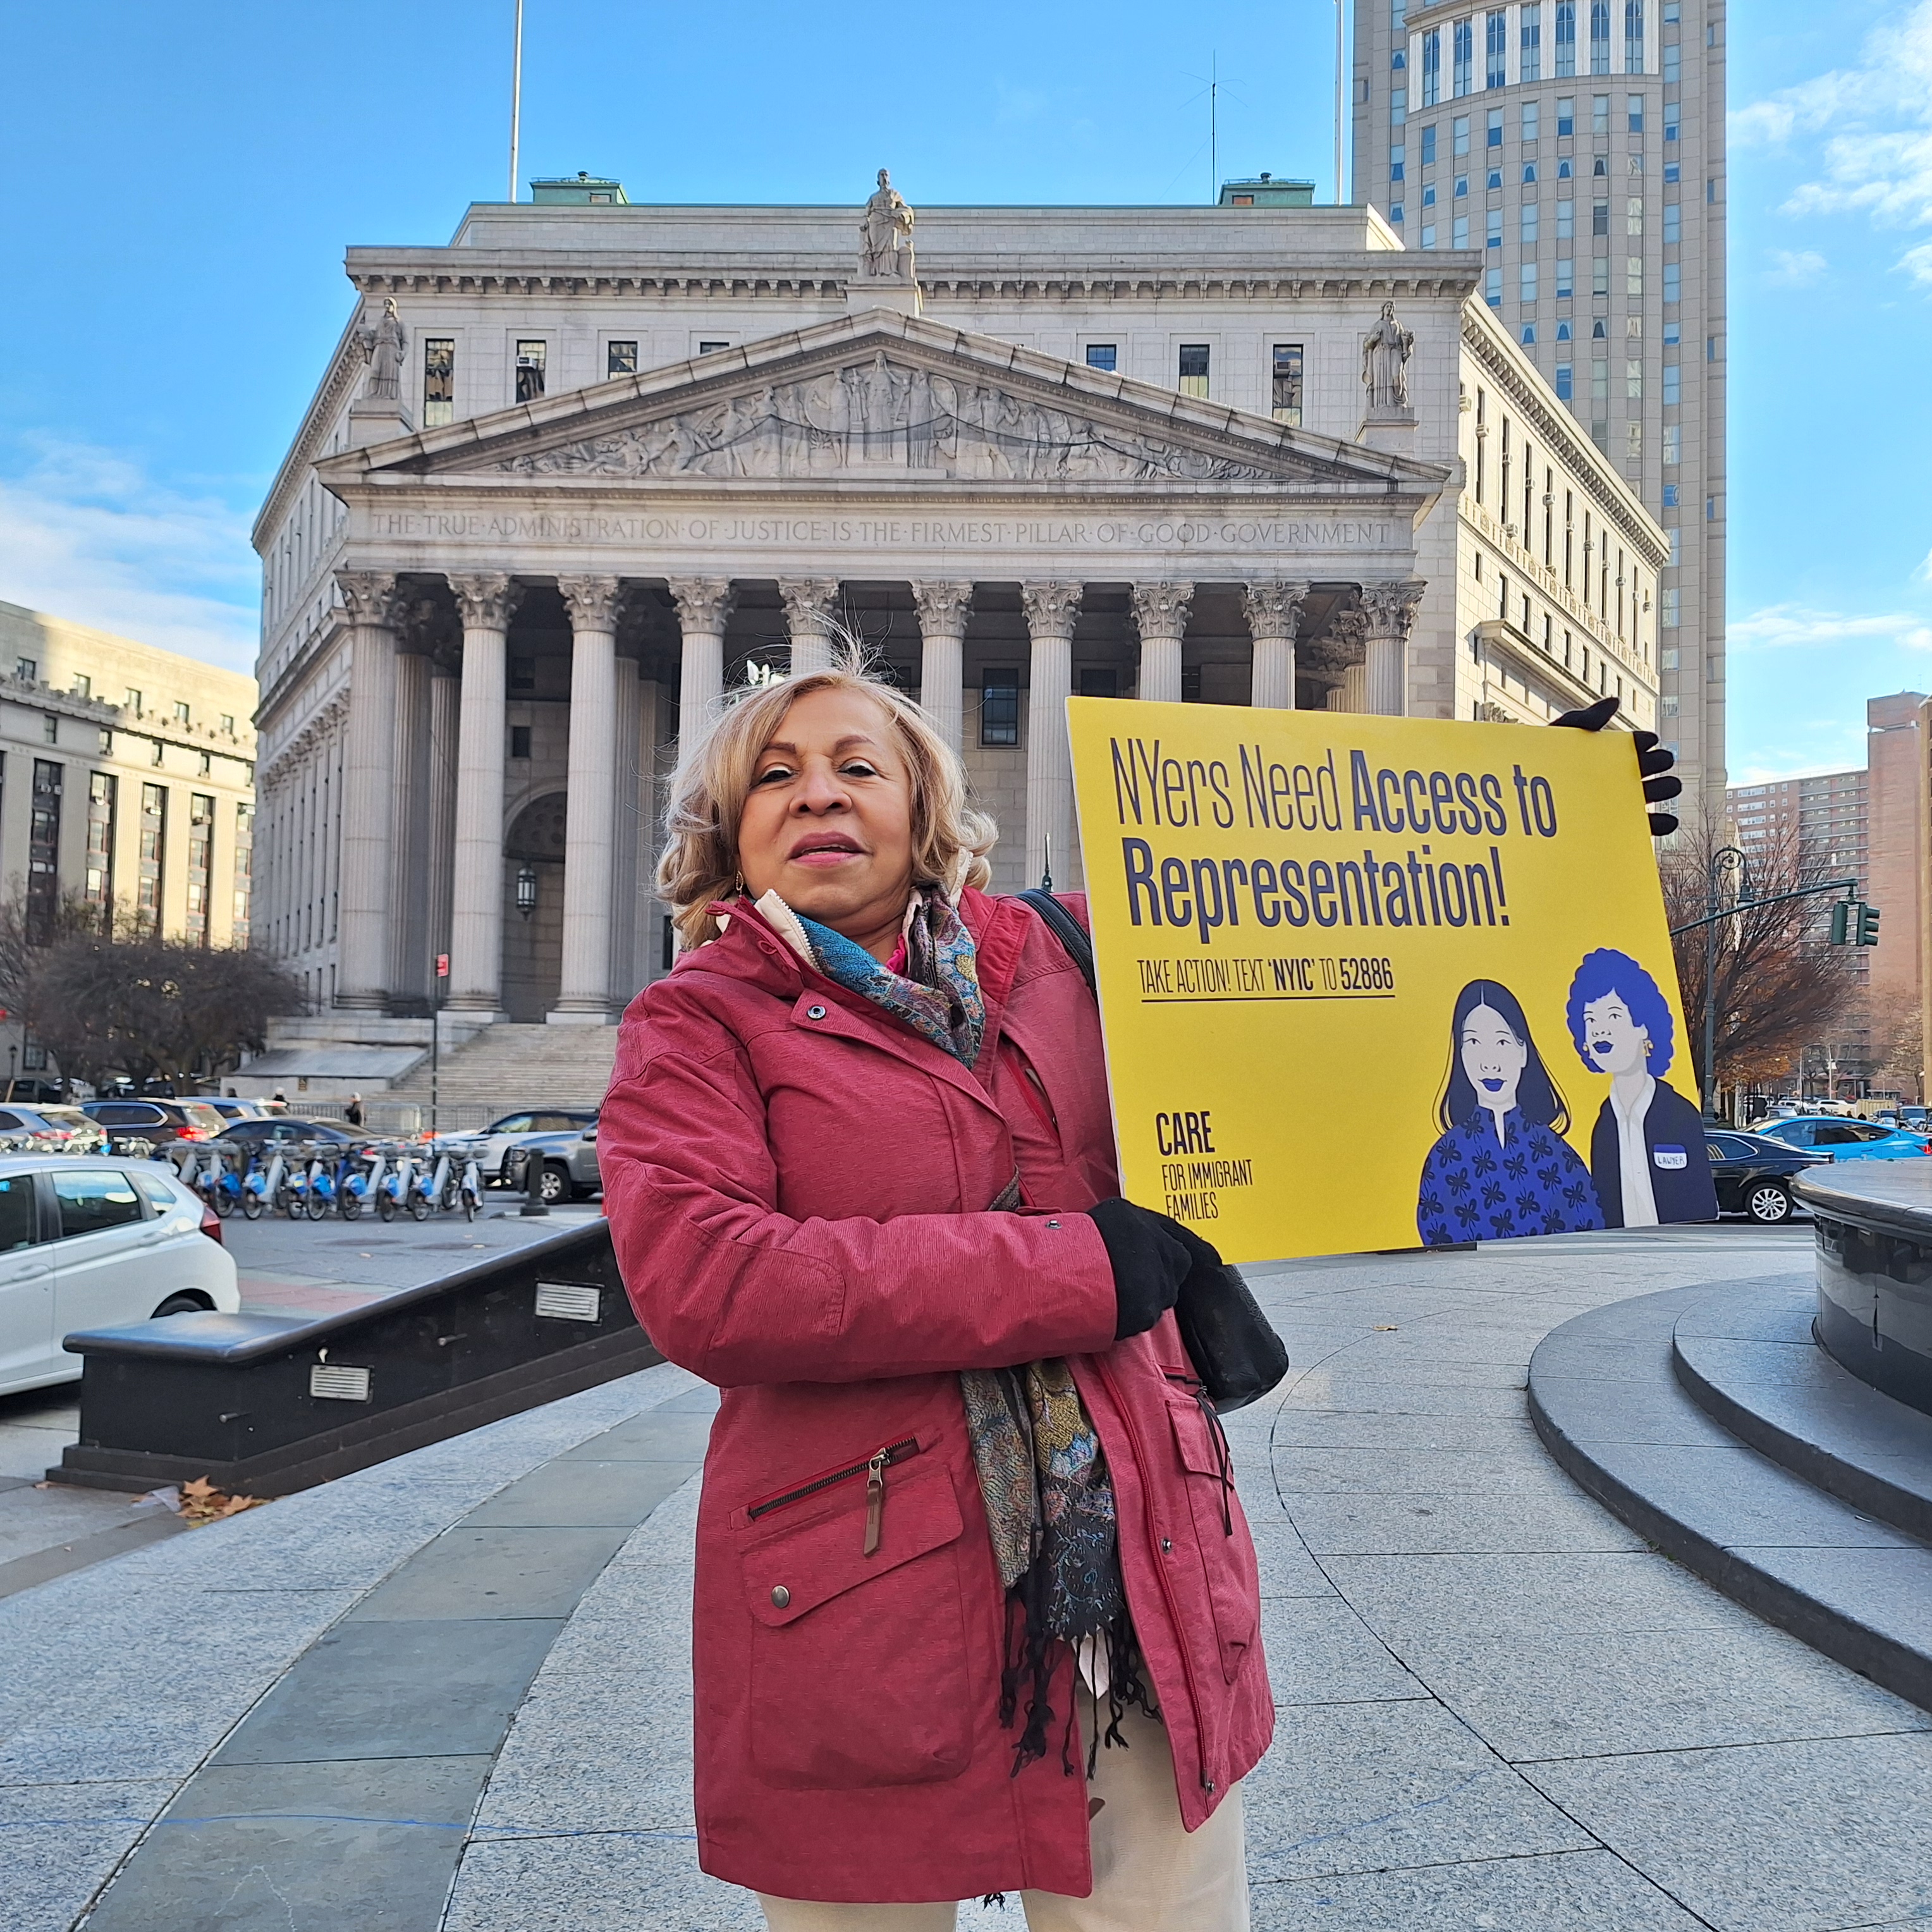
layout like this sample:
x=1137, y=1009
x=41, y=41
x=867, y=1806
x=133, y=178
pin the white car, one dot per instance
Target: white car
x=88, y=1243
x=491, y=1145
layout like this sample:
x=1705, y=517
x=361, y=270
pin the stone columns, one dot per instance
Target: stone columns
x=1160, y=612
x=369, y=765
x=1274, y=612
x=811, y=611
x=1051, y=609
x=446, y=706
x=1351, y=694
x=1390, y=609
x=625, y=978
x=485, y=599
x=943, y=611
x=703, y=609
x=408, y=831
x=590, y=810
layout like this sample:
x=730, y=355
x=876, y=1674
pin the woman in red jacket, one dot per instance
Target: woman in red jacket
x=977, y=1608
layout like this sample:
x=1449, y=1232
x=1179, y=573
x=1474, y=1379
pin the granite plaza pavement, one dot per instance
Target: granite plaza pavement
x=450, y=1694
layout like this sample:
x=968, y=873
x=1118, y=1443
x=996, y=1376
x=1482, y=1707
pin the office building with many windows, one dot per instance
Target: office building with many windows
x=1578, y=145
x=127, y=777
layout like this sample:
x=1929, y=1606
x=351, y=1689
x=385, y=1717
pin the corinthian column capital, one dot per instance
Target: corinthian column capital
x=944, y=608
x=368, y=595
x=485, y=599
x=1160, y=610
x=591, y=601
x=1390, y=609
x=1050, y=608
x=811, y=605
x=1274, y=608
x=704, y=604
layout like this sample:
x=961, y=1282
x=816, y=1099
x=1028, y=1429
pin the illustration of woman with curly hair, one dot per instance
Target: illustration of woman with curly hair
x=1501, y=1167
x=1647, y=1152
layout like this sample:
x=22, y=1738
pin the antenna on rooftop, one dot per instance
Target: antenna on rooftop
x=516, y=95
x=1213, y=128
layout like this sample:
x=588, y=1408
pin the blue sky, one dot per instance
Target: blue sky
x=181, y=185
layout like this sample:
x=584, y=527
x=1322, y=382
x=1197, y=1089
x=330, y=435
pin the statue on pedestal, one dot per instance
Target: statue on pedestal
x=885, y=235
x=1386, y=349
x=385, y=343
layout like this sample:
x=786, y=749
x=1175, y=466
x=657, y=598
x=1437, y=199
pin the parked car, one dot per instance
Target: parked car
x=278, y=1131
x=1848, y=1140
x=231, y=1109
x=1752, y=1173
x=51, y=1129
x=491, y=1143
x=93, y=1243
x=157, y=1122
x=35, y=1091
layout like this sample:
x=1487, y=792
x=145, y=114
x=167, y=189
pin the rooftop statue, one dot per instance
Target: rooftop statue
x=886, y=234
x=1386, y=349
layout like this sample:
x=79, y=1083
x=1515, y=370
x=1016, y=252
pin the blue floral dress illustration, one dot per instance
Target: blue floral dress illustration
x=1474, y=1189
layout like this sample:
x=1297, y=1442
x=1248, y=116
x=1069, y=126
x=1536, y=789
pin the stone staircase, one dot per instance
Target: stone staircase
x=508, y=1066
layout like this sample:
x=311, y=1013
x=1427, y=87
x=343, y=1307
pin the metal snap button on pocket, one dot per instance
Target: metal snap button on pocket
x=815, y=1013
x=781, y=1596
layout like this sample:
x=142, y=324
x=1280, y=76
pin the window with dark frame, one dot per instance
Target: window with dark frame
x=44, y=850
x=439, y=380
x=620, y=359
x=1194, y=368
x=1000, y=707
x=244, y=869
x=153, y=858
x=531, y=358
x=1103, y=356
x=1285, y=396
x=520, y=741
x=1099, y=681
x=200, y=864
x=103, y=795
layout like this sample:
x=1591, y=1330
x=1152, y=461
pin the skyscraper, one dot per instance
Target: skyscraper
x=1580, y=145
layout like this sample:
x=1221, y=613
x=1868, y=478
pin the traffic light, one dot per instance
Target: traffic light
x=1841, y=922
x=1868, y=925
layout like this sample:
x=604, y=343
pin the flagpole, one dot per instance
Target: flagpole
x=516, y=96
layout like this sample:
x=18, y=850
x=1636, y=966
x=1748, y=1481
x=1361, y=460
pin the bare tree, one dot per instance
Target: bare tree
x=105, y=999
x=1776, y=982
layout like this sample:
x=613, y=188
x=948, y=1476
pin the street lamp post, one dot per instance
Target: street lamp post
x=1728, y=865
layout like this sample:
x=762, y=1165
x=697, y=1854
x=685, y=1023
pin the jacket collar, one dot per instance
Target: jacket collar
x=751, y=950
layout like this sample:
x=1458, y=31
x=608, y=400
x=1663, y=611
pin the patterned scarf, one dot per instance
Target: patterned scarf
x=1049, y=1500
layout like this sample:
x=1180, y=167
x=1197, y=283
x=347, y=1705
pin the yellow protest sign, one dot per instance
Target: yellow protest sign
x=1378, y=982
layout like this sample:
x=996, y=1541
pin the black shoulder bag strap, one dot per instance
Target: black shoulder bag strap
x=1066, y=929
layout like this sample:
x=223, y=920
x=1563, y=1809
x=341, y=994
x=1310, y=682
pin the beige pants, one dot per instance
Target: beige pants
x=1149, y=1875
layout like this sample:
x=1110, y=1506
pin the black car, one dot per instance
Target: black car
x=1753, y=1175
x=280, y=1130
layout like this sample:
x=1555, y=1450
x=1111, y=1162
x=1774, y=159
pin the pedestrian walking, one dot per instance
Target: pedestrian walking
x=977, y=1609
x=352, y=1113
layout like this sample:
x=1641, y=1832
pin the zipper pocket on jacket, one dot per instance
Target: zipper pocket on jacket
x=1035, y=1090
x=873, y=1469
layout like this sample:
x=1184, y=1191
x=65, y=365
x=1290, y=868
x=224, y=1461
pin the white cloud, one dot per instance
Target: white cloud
x=1845, y=751
x=1795, y=268
x=1917, y=262
x=85, y=534
x=1877, y=117
x=1779, y=625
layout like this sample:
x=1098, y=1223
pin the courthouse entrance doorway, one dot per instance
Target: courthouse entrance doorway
x=533, y=935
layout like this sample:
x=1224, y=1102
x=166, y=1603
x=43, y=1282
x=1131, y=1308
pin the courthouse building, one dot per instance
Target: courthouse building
x=570, y=477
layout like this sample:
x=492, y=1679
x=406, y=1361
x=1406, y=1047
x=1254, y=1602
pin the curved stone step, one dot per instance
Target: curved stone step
x=1604, y=1399
x=1748, y=1358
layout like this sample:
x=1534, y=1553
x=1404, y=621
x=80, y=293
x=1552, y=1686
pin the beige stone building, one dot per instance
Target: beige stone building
x=127, y=774
x=570, y=477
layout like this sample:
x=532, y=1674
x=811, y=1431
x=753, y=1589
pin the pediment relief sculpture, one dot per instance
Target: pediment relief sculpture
x=879, y=415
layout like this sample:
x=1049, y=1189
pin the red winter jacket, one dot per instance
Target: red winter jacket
x=798, y=1187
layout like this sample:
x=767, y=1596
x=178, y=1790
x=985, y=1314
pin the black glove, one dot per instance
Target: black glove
x=1151, y=1257
x=1652, y=759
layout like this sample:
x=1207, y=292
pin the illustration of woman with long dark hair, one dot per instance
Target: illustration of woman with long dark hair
x=1501, y=1167
x=1647, y=1151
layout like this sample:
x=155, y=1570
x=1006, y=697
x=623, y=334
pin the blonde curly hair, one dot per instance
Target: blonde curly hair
x=699, y=864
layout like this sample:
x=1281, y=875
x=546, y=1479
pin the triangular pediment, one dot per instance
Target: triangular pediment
x=875, y=397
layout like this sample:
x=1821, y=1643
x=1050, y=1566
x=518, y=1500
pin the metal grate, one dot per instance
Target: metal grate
x=334, y=1384
x=569, y=1301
